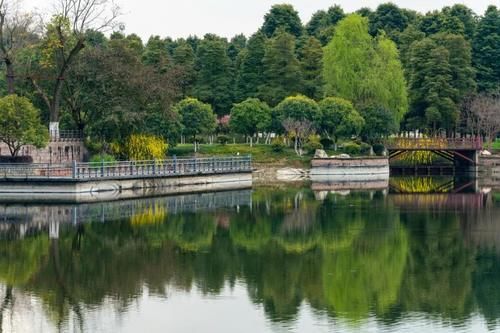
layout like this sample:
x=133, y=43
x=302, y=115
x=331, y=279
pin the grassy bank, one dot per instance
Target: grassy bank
x=260, y=153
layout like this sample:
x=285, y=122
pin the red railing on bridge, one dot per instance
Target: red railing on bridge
x=434, y=143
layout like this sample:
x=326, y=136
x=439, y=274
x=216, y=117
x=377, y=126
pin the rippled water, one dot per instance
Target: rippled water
x=275, y=259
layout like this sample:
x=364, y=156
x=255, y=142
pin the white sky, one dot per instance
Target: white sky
x=181, y=18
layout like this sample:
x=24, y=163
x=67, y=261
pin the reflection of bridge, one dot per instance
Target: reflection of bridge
x=460, y=151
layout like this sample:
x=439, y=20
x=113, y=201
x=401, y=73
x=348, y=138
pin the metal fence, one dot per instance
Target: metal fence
x=129, y=169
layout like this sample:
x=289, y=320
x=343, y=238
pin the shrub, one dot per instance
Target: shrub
x=223, y=139
x=278, y=144
x=378, y=149
x=351, y=148
x=313, y=143
x=145, y=147
x=365, y=148
x=326, y=142
x=99, y=158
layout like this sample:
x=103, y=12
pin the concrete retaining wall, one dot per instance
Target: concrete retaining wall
x=89, y=191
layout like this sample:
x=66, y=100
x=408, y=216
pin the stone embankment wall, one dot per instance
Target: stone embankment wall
x=55, y=152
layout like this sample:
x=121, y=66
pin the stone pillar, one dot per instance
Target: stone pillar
x=54, y=129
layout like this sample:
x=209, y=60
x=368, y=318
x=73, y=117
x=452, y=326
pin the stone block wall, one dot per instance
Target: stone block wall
x=55, y=152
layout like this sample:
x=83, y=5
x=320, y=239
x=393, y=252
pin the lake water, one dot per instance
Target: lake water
x=287, y=258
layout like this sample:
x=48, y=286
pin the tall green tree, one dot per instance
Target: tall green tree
x=184, y=58
x=282, y=72
x=282, y=16
x=156, y=54
x=322, y=23
x=311, y=63
x=20, y=124
x=486, y=50
x=440, y=76
x=389, y=18
x=214, y=75
x=197, y=118
x=365, y=71
x=250, y=117
x=251, y=69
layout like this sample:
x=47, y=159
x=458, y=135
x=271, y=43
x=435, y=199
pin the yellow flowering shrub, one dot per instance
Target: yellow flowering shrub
x=145, y=147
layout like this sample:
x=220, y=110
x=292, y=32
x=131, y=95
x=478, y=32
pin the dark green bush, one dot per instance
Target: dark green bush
x=327, y=143
x=378, y=149
x=365, y=148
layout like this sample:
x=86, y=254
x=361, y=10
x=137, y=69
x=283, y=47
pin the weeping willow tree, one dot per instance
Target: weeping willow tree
x=363, y=69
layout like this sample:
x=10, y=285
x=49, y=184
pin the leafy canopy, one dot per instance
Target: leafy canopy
x=364, y=70
x=20, y=124
x=250, y=117
x=197, y=118
x=339, y=118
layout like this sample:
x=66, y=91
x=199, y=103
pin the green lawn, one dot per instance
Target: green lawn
x=260, y=153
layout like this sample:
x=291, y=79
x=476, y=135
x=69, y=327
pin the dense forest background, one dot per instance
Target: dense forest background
x=398, y=67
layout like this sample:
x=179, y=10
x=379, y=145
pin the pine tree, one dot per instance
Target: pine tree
x=282, y=74
x=311, y=62
x=213, y=83
x=486, y=50
x=251, y=68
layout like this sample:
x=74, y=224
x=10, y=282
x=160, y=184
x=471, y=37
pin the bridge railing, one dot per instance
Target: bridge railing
x=129, y=169
x=434, y=143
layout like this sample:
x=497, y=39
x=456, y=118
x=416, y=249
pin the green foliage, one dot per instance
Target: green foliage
x=326, y=142
x=311, y=62
x=282, y=72
x=197, y=117
x=214, y=78
x=365, y=71
x=284, y=17
x=365, y=148
x=299, y=108
x=351, y=148
x=20, y=124
x=251, y=69
x=379, y=122
x=313, y=143
x=486, y=48
x=96, y=159
x=250, y=117
x=278, y=144
x=141, y=147
x=339, y=118
x=378, y=149
x=440, y=75
x=322, y=23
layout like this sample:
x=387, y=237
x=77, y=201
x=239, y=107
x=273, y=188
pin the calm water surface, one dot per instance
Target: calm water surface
x=276, y=259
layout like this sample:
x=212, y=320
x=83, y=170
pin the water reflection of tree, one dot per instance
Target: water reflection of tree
x=438, y=278
x=337, y=255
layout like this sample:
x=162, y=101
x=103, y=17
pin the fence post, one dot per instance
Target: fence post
x=102, y=168
x=154, y=167
x=74, y=169
x=175, y=164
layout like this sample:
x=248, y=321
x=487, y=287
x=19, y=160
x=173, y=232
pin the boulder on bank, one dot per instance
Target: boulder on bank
x=320, y=153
